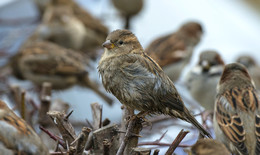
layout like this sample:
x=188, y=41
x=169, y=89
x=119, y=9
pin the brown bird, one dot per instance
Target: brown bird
x=252, y=67
x=209, y=147
x=173, y=52
x=137, y=81
x=17, y=135
x=237, y=109
x=67, y=24
x=43, y=61
x=202, y=80
x=128, y=9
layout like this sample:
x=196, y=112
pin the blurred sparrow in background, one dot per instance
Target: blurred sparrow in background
x=173, y=51
x=17, y=135
x=202, y=80
x=128, y=9
x=64, y=22
x=209, y=147
x=137, y=81
x=252, y=67
x=46, y=62
x=236, y=117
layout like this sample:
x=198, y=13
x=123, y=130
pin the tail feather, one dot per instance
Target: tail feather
x=193, y=121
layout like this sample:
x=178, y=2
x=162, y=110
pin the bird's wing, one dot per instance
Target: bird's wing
x=167, y=49
x=44, y=60
x=154, y=78
x=229, y=120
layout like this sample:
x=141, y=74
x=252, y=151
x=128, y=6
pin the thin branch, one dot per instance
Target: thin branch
x=156, y=152
x=135, y=127
x=66, y=118
x=161, y=144
x=82, y=140
x=107, y=145
x=176, y=142
x=52, y=136
x=23, y=106
x=96, y=115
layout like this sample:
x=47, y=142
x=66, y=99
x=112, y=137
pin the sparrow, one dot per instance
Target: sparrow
x=42, y=61
x=17, y=135
x=209, y=147
x=64, y=22
x=236, y=115
x=202, y=80
x=128, y=9
x=252, y=67
x=173, y=51
x=137, y=81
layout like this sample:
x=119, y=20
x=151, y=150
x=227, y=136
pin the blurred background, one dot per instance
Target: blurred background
x=230, y=27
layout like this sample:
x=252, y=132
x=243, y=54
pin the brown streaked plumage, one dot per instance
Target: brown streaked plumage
x=128, y=9
x=202, y=80
x=67, y=24
x=237, y=113
x=17, y=135
x=209, y=147
x=173, y=52
x=137, y=81
x=43, y=61
x=252, y=67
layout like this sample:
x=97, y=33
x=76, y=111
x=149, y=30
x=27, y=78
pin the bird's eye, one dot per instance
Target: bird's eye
x=120, y=42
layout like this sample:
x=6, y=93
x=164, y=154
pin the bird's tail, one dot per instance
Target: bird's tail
x=193, y=121
x=90, y=84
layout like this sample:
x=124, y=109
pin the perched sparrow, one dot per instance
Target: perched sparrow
x=43, y=61
x=137, y=81
x=209, y=147
x=18, y=136
x=67, y=24
x=236, y=117
x=252, y=67
x=173, y=52
x=128, y=9
x=202, y=80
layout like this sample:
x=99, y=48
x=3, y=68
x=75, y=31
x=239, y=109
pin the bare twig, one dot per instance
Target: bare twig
x=23, y=105
x=45, y=98
x=66, y=118
x=82, y=140
x=140, y=151
x=134, y=127
x=156, y=152
x=161, y=144
x=53, y=137
x=176, y=142
x=96, y=115
x=107, y=145
x=65, y=128
x=16, y=93
x=89, y=124
x=158, y=140
x=108, y=132
x=106, y=122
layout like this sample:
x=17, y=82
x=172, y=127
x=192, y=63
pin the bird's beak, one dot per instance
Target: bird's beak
x=107, y=44
x=205, y=65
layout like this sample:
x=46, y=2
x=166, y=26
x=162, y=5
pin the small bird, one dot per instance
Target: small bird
x=252, y=67
x=202, y=80
x=128, y=9
x=173, y=52
x=236, y=115
x=209, y=147
x=17, y=135
x=137, y=81
x=42, y=61
x=64, y=22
